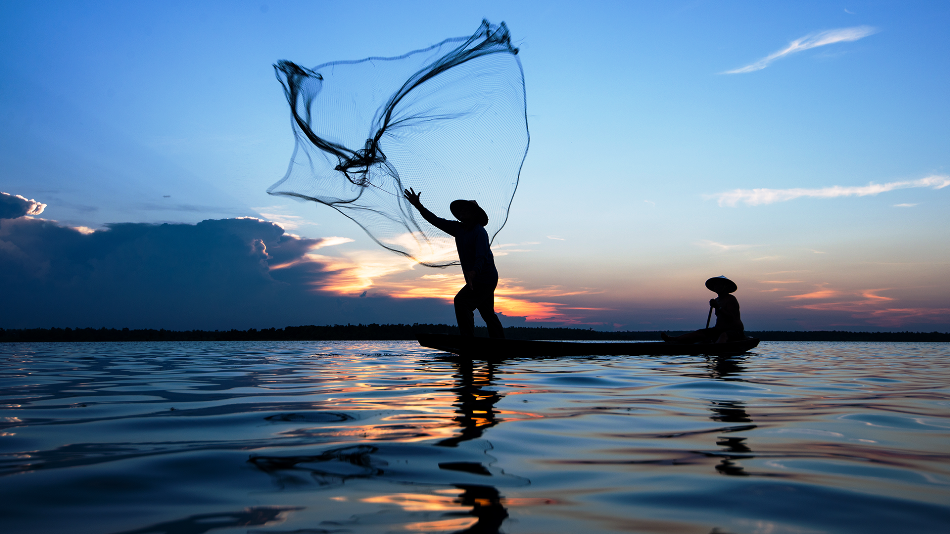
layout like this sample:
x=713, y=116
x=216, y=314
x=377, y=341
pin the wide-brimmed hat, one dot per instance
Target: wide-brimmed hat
x=478, y=215
x=721, y=284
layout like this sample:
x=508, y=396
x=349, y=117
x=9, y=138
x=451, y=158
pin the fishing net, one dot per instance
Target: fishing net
x=448, y=120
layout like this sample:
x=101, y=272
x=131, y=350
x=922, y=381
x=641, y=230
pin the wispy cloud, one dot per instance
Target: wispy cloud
x=287, y=222
x=812, y=40
x=878, y=310
x=720, y=247
x=755, y=197
x=820, y=294
x=331, y=242
x=504, y=249
x=781, y=284
x=905, y=205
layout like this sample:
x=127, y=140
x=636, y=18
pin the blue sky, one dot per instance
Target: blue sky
x=155, y=112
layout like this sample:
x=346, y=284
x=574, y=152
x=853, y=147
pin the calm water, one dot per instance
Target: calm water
x=187, y=438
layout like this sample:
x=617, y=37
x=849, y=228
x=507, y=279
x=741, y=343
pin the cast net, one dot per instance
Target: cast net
x=448, y=120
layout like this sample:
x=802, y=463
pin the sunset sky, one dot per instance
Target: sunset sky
x=801, y=149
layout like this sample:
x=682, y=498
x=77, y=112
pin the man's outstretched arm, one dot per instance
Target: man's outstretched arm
x=449, y=227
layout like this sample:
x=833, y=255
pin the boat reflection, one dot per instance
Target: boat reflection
x=734, y=448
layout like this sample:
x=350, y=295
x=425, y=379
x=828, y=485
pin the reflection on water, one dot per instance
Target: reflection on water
x=476, y=409
x=735, y=448
x=188, y=438
x=201, y=523
x=475, y=406
x=476, y=403
x=331, y=467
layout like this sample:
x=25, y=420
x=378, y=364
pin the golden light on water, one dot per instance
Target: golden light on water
x=442, y=525
x=418, y=502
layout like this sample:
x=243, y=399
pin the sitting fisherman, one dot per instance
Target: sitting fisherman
x=478, y=263
x=728, y=324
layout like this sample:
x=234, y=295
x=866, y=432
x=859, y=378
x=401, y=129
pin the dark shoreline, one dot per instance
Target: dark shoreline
x=377, y=332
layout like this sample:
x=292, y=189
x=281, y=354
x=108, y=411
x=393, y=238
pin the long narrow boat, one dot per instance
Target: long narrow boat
x=482, y=347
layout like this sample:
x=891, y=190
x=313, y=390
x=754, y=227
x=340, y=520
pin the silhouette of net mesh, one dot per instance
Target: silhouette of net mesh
x=448, y=120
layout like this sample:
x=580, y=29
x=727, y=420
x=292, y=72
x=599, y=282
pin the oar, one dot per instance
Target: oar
x=708, y=317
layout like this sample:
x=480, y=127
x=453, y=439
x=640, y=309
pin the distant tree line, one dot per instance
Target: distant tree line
x=379, y=332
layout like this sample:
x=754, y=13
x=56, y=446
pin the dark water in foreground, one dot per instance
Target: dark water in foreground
x=188, y=438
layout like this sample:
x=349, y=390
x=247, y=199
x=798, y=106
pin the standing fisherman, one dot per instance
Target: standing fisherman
x=478, y=264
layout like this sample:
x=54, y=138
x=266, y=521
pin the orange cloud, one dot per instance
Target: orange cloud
x=530, y=310
x=885, y=317
x=779, y=282
x=869, y=294
x=361, y=270
x=348, y=276
x=899, y=316
x=320, y=243
x=868, y=308
x=820, y=294
x=510, y=299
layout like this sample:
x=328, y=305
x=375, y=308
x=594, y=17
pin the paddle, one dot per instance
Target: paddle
x=708, y=317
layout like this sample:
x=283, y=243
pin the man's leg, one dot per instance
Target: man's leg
x=464, y=306
x=486, y=308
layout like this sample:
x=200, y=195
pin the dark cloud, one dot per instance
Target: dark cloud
x=217, y=274
x=13, y=206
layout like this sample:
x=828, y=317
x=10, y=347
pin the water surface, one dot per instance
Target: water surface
x=316, y=437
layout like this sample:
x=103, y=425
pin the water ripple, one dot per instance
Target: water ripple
x=381, y=436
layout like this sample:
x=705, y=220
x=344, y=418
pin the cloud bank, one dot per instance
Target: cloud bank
x=13, y=206
x=219, y=274
x=216, y=274
x=812, y=40
x=755, y=197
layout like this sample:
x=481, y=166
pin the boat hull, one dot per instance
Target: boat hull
x=487, y=348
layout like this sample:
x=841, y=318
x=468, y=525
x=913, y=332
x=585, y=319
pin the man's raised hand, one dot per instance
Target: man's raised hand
x=412, y=197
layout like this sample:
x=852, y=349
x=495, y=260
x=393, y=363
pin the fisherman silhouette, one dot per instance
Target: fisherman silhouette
x=728, y=323
x=478, y=264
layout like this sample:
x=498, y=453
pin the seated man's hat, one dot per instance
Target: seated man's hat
x=721, y=284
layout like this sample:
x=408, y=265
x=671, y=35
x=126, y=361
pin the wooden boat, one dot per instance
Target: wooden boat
x=487, y=348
